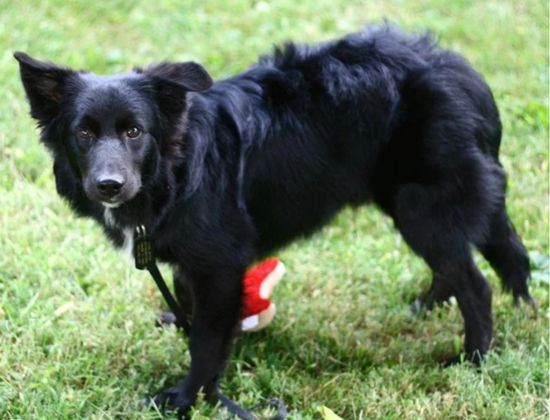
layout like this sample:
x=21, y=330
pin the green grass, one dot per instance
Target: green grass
x=76, y=323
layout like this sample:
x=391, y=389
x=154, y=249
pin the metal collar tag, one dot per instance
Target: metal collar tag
x=143, y=249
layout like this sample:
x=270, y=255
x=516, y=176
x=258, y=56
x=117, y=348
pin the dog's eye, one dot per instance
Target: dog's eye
x=133, y=132
x=85, y=134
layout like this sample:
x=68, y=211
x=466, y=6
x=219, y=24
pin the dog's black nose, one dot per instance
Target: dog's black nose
x=108, y=188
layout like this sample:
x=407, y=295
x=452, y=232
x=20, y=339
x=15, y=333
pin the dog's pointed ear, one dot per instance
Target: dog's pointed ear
x=192, y=76
x=172, y=81
x=44, y=84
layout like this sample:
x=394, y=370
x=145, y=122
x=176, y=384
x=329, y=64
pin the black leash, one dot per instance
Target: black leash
x=145, y=259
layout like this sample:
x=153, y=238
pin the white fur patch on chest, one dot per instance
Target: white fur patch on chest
x=128, y=245
x=127, y=233
x=109, y=218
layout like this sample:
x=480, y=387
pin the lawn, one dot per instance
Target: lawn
x=76, y=322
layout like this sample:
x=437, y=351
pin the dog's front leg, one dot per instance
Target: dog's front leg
x=217, y=299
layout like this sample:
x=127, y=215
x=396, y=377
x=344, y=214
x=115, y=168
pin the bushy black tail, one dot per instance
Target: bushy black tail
x=507, y=255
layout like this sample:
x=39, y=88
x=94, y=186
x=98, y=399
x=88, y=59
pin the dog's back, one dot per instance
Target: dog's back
x=347, y=122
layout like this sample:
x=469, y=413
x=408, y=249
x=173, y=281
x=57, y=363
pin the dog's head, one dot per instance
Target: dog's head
x=111, y=129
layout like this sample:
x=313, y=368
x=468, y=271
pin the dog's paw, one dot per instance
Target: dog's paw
x=426, y=302
x=166, y=319
x=475, y=359
x=418, y=307
x=528, y=300
x=423, y=303
x=174, y=399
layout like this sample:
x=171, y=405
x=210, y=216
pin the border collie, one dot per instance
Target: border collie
x=224, y=173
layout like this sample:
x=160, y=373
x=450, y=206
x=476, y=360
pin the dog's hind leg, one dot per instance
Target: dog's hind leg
x=429, y=225
x=507, y=255
x=438, y=293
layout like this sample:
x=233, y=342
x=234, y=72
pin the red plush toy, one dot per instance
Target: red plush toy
x=258, y=283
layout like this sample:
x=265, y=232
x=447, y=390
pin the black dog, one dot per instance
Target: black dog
x=222, y=174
